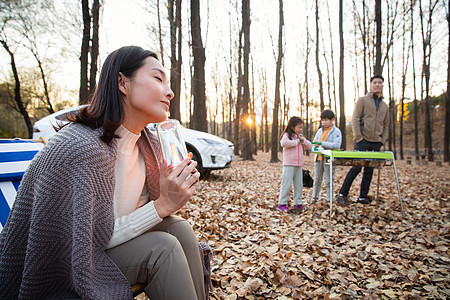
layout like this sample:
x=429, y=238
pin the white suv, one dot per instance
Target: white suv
x=210, y=151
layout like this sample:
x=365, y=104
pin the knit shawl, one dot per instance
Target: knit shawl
x=53, y=245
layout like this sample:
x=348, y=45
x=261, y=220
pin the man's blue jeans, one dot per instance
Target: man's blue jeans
x=354, y=171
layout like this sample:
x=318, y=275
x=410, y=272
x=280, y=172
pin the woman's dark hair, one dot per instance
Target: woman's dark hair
x=106, y=105
x=293, y=121
x=327, y=114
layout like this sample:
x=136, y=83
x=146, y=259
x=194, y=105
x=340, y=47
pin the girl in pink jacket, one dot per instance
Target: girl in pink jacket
x=293, y=143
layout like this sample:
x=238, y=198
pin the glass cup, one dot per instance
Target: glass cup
x=171, y=141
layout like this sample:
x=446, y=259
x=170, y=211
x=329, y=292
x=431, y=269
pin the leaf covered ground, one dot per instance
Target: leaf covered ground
x=362, y=251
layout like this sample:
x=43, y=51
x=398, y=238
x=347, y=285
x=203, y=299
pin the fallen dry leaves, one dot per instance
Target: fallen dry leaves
x=362, y=251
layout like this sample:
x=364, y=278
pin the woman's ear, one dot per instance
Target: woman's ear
x=122, y=83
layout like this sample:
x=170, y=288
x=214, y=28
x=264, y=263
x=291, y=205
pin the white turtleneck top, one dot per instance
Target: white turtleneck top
x=133, y=212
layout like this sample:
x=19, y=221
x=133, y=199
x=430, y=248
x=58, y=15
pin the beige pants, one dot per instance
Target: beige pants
x=166, y=259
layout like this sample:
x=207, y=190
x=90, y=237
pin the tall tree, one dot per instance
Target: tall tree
x=405, y=63
x=333, y=80
x=378, y=69
x=9, y=12
x=265, y=114
x=239, y=109
x=31, y=38
x=17, y=95
x=341, y=78
x=389, y=58
x=199, y=118
x=230, y=92
x=175, y=57
x=364, y=33
x=274, y=138
x=447, y=96
x=89, y=45
x=416, y=106
x=160, y=35
x=94, y=46
x=319, y=72
x=306, y=129
x=246, y=139
x=426, y=45
x=84, y=56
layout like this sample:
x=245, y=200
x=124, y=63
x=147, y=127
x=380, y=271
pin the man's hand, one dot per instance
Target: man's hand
x=359, y=140
x=177, y=185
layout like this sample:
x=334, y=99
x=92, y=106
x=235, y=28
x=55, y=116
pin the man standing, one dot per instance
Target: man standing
x=370, y=122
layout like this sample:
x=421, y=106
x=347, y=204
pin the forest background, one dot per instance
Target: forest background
x=239, y=69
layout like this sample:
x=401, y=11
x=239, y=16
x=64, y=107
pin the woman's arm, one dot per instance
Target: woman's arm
x=134, y=224
x=173, y=195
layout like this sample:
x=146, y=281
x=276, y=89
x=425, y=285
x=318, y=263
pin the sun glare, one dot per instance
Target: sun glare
x=249, y=121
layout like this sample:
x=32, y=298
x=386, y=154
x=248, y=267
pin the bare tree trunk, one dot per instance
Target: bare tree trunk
x=286, y=101
x=355, y=76
x=365, y=40
x=274, y=140
x=17, y=97
x=28, y=31
x=94, y=46
x=377, y=68
x=199, y=120
x=416, y=108
x=306, y=129
x=392, y=104
x=328, y=81
x=319, y=73
x=34, y=50
x=447, y=101
x=426, y=43
x=253, y=115
x=341, y=78
x=158, y=13
x=266, y=116
x=237, y=120
x=332, y=62
x=230, y=92
x=84, y=56
x=48, y=103
x=405, y=63
x=246, y=136
x=175, y=57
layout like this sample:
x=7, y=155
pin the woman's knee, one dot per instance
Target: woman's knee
x=178, y=224
x=159, y=242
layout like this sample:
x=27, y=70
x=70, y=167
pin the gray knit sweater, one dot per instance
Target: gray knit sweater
x=53, y=243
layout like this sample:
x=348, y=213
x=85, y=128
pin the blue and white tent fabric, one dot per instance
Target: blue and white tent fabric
x=15, y=156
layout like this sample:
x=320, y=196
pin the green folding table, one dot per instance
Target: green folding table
x=357, y=158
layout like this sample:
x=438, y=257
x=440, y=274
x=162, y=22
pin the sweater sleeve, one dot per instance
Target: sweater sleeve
x=335, y=143
x=287, y=143
x=385, y=128
x=307, y=144
x=136, y=223
x=356, y=119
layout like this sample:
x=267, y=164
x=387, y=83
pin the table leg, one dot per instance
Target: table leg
x=398, y=185
x=378, y=183
x=331, y=186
